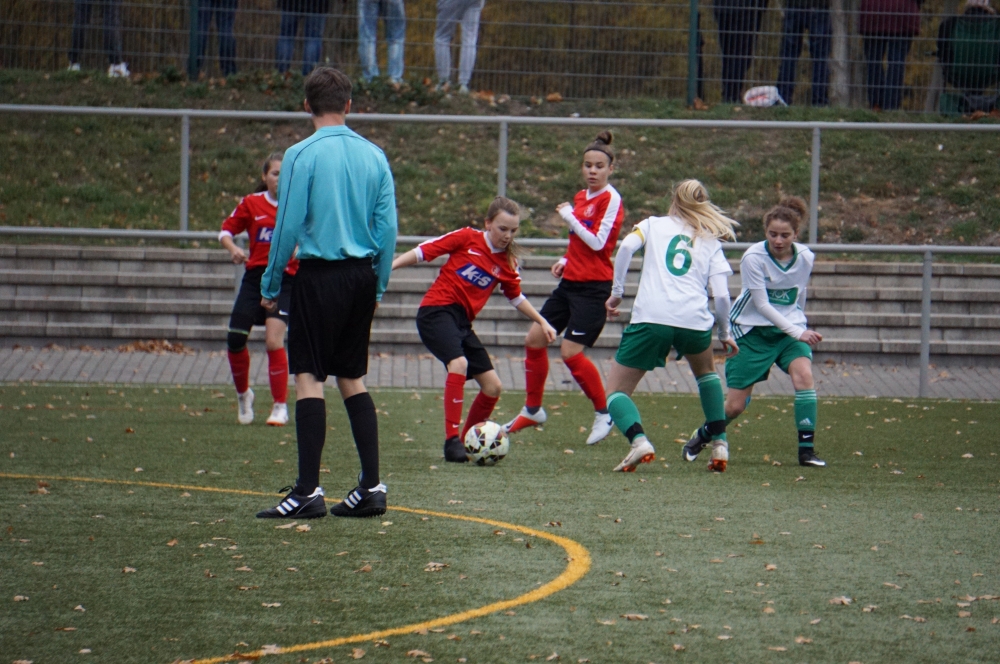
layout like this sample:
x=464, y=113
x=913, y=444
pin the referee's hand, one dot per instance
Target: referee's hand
x=269, y=305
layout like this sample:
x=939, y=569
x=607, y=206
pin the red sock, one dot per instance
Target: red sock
x=277, y=370
x=536, y=370
x=240, y=365
x=454, y=395
x=479, y=411
x=589, y=378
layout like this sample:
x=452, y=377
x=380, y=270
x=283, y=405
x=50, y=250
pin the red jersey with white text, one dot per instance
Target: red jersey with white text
x=600, y=215
x=473, y=270
x=255, y=215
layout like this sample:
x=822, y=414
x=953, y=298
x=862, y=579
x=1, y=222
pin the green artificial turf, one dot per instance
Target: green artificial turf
x=901, y=520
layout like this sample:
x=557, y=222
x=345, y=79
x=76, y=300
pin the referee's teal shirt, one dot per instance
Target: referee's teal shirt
x=336, y=200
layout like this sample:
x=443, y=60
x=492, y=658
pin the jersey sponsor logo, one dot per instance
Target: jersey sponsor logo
x=264, y=234
x=475, y=275
x=782, y=296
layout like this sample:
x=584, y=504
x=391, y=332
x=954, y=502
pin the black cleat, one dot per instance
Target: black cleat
x=361, y=503
x=295, y=506
x=694, y=446
x=454, y=450
x=810, y=459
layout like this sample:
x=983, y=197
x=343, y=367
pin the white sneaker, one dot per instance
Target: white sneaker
x=642, y=452
x=602, y=427
x=118, y=71
x=279, y=415
x=463, y=89
x=73, y=66
x=525, y=419
x=720, y=456
x=245, y=402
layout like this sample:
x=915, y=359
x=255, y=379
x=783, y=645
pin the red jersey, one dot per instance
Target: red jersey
x=255, y=215
x=594, y=224
x=473, y=270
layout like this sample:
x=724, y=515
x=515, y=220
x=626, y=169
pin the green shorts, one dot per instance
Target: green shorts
x=646, y=345
x=759, y=349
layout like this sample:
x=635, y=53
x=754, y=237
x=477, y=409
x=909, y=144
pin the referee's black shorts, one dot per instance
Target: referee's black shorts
x=330, y=325
x=247, y=311
x=578, y=308
x=447, y=333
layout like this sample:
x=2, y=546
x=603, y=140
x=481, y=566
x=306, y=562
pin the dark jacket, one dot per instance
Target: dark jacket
x=889, y=17
x=305, y=6
x=807, y=4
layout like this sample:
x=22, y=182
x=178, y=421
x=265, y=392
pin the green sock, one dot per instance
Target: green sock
x=625, y=415
x=713, y=403
x=805, y=417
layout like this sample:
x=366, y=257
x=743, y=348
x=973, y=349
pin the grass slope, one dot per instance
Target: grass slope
x=124, y=172
x=908, y=526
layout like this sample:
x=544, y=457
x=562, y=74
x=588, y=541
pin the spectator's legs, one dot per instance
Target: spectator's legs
x=312, y=32
x=701, y=61
x=470, y=36
x=792, y=25
x=205, y=11
x=81, y=17
x=737, y=36
x=395, y=36
x=820, y=34
x=447, y=20
x=874, y=48
x=225, y=17
x=113, y=31
x=724, y=18
x=286, y=39
x=367, y=27
x=898, y=48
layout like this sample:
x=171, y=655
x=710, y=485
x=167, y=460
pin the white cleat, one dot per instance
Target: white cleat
x=245, y=403
x=279, y=415
x=602, y=427
x=720, y=456
x=642, y=452
x=525, y=419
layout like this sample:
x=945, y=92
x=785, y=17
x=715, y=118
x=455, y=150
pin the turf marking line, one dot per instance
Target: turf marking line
x=576, y=554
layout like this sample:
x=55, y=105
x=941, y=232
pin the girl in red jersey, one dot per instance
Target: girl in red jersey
x=478, y=261
x=577, y=304
x=255, y=215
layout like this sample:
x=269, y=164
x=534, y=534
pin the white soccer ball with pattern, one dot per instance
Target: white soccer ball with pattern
x=486, y=443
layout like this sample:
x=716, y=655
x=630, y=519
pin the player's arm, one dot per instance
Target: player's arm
x=719, y=285
x=595, y=241
x=293, y=204
x=405, y=260
x=753, y=280
x=235, y=251
x=528, y=310
x=631, y=244
x=386, y=227
x=236, y=223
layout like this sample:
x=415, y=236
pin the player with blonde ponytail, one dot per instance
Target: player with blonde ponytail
x=683, y=261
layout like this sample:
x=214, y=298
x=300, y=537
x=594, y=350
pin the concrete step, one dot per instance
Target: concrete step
x=119, y=279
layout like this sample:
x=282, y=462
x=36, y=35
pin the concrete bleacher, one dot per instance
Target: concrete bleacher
x=100, y=296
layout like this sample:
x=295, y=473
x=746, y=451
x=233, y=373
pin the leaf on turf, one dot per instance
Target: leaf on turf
x=770, y=567
x=172, y=542
x=357, y=653
x=381, y=643
x=453, y=637
x=185, y=495
x=724, y=637
x=128, y=570
x=455, y=502
x=22, y=661
x=871, y=608
x=270, y=649
x=248, y=587
x=768, y=609
x=606, y=622
x=777, y=648
x=79, y=607
x=568, y=451
x=271, y=605
x=965, y=614
x=818, y=546
x=918, y=516
x=342, y=553
x=815, y=621
x=716, y=561
x=634, y=616
x=802, y=640
x=554, y=524
x=65, y=629
x=678, y=647
x=304, y=528
x=243, y=569
x=554, y=657
x=291, y=569
x=129, y=430
x=363, y=569
x=843, y=600
x=417, y=653
x=286, y=526
x=435, y=567
x=892, y=585
x=966, y=456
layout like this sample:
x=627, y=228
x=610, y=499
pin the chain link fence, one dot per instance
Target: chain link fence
x=888, y=54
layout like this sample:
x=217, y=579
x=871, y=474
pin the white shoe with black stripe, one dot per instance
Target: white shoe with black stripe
x=362, y=503
x=295, y=506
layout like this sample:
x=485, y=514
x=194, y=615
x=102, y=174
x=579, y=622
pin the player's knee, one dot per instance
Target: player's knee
x=716, y=428
x=567, y=353
x=459, y=365
x=236, y=340
x=492, y=390
x=736, y=408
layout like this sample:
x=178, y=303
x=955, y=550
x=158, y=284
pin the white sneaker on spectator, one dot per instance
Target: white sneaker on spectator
x=73, y=66
x=118, y=71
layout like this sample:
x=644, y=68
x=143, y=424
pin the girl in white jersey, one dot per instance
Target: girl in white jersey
x=769, y=322
x=683, y=258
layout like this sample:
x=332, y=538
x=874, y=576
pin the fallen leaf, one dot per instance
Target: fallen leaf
x=634, y=616
x=172, y=542
x=918, y=516
x=802, y=640
x=286, y=526
x=871, y=608
x=892, y=585
x=417, y=653
x=304, y=528
x=381, y=643
x=128, y=570
x=65, y=629
x=243, y=569
x=724, y=637
x=843, y=600
x=270, y=649
x=554, y=657
x=606, y=622
x=678, y=647
x=454, y=502
x=79, y=607
x=454, y=637
x=435, y=567
x=777, y=648
x=363, y=569
x=815, y=621
x=716, y=560
x=357, y=653
x=966, y=456
x=768, y=609
x=965, y=614
x=271, y=605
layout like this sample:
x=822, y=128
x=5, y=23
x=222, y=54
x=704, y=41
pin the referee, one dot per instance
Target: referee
x=337, y=202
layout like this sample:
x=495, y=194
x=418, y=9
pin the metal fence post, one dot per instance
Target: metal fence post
x=502, y=160
x=814, y=191
x=693, y=35
x=185, y=168
x=925, y=323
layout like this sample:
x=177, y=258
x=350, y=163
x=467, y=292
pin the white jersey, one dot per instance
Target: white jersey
x=785, y=286
x=676, y=266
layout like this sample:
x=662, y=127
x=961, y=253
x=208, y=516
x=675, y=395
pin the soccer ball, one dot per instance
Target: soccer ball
x=486, y=443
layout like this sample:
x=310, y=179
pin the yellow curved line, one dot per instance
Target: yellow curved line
x=577, y=566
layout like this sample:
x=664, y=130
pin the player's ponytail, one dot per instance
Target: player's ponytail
x=790, y=209
x=271, y=158
x=691, y=203
x=602, y=143
x=504, y=204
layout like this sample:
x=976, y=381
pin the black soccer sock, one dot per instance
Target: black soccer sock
x=310, y=429
x=532, y=409
x=364, y=426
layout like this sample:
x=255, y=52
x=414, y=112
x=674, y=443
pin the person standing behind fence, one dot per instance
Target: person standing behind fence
x=312, y=15
x=393, y=14
x=802, y=15
x=225, y=16
x=449, y=14
x=112, y=34
x=337, y=202
x=739, y=23
x=887, y=29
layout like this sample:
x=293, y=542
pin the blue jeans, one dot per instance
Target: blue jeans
x=394, y=17
x=794, y=23
x=112, y=28
x=225, y=16
x=885, y=85
x=312, y=33
x=451, y=13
